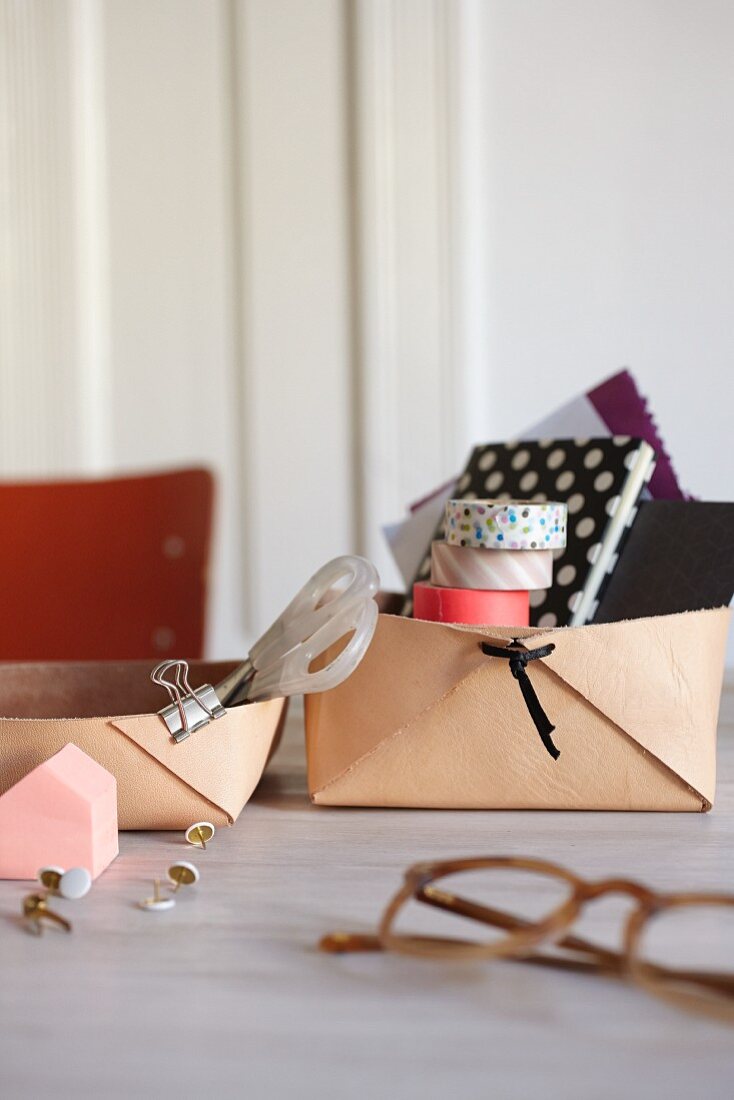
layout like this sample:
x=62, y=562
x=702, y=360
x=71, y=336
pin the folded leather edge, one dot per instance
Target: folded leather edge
x=151, y=756
x=706, y=804
x=542, y=636
x=210, y=801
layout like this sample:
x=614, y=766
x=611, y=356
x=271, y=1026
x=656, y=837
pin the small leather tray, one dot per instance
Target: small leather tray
x=109, y=710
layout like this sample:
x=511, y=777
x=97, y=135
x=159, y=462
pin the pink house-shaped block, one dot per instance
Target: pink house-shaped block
x=63, y=813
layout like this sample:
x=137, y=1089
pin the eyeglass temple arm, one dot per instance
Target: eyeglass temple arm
x=348, y=943
x=719, y=983
x=611, y=962
x=603, y=958
x=351, y=942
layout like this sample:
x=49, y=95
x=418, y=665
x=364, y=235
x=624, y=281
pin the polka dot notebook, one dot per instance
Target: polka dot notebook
x=601, y=481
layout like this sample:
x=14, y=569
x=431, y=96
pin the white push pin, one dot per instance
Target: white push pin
x=72, y=884
x=157, y=903
x=199, y=833
x=75, y=883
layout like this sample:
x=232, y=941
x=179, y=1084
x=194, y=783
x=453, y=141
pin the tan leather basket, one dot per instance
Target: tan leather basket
x=430, y=720
x=160, y=784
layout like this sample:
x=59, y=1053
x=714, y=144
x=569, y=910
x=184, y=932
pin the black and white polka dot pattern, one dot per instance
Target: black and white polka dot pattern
x=588, y=474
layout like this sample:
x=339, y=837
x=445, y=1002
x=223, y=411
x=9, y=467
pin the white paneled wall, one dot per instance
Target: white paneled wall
x=174, y=359
x=323, y=246
x=295, y=423
x=40, y=421
x=609, y=235
x=233, y=240
x=420, y=349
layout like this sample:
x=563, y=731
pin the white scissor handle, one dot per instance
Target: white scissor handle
x=290, y=675
x=316, y=603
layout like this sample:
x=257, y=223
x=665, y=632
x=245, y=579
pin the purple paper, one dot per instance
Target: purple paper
x=624, y=410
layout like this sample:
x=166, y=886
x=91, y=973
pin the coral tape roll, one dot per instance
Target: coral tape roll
x=470, y=567
x=506, y=525
x=470, y=605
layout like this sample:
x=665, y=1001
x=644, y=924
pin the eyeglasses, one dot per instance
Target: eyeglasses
x=555, y=898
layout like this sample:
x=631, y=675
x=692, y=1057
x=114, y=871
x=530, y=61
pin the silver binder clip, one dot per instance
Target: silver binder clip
x=190, y=708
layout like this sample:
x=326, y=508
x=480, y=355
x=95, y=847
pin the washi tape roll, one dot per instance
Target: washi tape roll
x=470, y=605
x=506, y=525
x=471, y=567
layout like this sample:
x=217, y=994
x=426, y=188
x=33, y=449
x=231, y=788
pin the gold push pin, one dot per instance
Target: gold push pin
x=157, y=903
x=182, y=874
x=72, y=884
x=198, y=833
x=50, y=877
x=36, y=910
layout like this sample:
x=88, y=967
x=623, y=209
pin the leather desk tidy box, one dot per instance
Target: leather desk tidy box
x=160, y=784
x=429, y=720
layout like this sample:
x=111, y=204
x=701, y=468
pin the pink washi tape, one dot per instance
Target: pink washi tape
x=467, y=567
x=470, y=605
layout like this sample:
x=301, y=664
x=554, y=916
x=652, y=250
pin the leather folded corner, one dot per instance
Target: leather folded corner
x=219, y=765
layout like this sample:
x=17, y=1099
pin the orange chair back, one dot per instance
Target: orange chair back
x=91, y=570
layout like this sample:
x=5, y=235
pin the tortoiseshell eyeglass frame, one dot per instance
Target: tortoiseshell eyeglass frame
x=708, y=992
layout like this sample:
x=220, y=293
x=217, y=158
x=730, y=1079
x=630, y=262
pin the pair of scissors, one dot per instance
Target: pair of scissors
x=337, y=602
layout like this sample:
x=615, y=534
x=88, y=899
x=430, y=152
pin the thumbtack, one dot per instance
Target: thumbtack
x=72, y=884
x=182, y=874
x=157, y=903
x=198, y=833
x=36, y=910
x=50, y=877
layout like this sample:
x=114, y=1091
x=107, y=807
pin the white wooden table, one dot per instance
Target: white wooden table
x=227, y=996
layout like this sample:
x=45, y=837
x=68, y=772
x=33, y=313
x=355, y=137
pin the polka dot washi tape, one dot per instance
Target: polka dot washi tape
x=506, y=525
x=468, y=567
x=590, y=475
